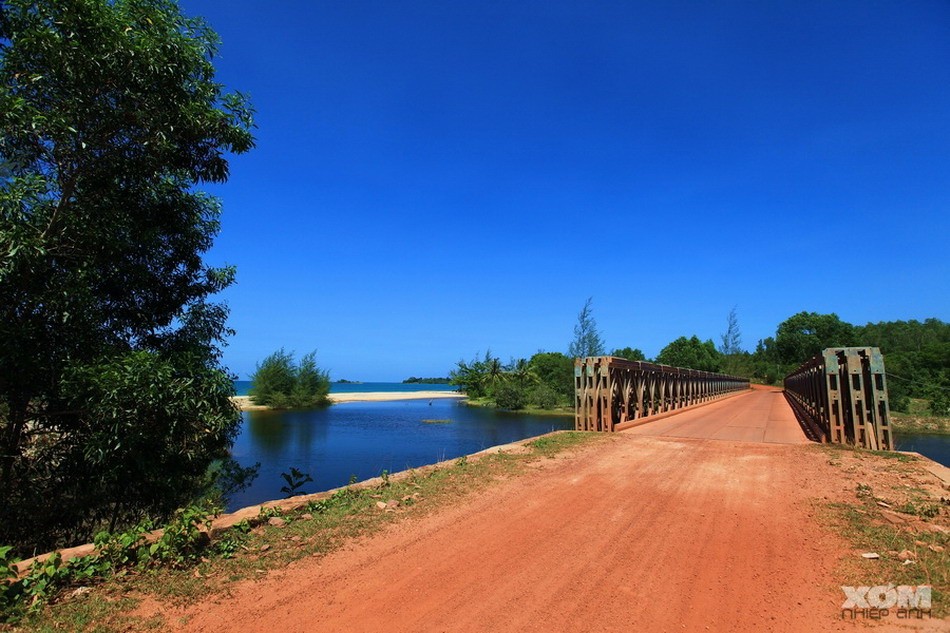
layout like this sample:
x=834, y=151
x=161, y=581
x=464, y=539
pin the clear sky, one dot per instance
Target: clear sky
x=436, y=178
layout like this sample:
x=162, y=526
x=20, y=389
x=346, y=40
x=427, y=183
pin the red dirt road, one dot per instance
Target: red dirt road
x=635, y=533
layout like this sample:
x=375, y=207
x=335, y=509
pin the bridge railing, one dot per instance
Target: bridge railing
x=841, y=393
x=612, y=394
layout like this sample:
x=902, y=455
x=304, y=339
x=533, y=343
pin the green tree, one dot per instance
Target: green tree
x=109, y=363
x=521, y=373
x=587, y=340
x=472, y=377
x=511, y=396
x=281, y=383
x=691, y=353
x=555, y=371
x=630, y=353
x=732, y=337
x=805, y=334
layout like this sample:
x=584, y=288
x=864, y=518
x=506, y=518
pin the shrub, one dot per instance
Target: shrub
x=280, y=383
x=510, y=396
x=544, y=397
x=940, y=403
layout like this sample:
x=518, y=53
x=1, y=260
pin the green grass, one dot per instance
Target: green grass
x=861, y=525
x=834, y=452
x=557, y=442
x=348, y=514
x=917, y=423
x=488, y=402
x=919, y=419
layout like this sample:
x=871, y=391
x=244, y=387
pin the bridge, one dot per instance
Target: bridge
x=839, y=396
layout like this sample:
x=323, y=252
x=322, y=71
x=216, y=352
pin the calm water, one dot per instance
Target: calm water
x=365, y=438
x=936, y=447
x=243, y=385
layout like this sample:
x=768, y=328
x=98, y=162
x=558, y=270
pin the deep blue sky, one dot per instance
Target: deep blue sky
x=437, y=178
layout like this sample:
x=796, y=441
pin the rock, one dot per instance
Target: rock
x=276, y=522
x=306, y=517
x=906, y=555
x=870, y=555
x=392, y=503
x=909, y=562
x=381, y=505
x=892, y=517
x=265, y=547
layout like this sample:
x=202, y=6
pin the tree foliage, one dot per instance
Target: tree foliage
x=281, y=383
x=630, y=353
x=805, y=334
x=544, y=381
x=691, y=353
x=587, y=340
x=732, y=337
x=112, y=399
x=917, y=359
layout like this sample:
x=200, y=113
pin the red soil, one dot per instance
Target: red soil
x=635, y=533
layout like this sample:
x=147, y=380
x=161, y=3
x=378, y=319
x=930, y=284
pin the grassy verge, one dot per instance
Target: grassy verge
x=917, y=423
x=488, y=402
x=116, y=603
x=896, y=513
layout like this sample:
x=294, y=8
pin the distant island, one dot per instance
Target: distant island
x=344, y=381
x=425, y=381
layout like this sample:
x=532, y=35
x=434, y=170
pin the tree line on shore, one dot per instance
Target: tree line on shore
x=917, y=359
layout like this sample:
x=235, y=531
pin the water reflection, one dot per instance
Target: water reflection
x=364, y=438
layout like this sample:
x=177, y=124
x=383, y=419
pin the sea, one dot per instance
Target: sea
x=242, y=387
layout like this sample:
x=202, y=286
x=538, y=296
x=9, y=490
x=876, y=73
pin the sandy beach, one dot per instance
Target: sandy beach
x=244, y=402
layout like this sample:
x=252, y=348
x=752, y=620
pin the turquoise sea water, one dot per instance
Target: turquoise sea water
x=243, y=385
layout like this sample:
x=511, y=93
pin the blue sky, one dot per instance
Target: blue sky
x=434, y=178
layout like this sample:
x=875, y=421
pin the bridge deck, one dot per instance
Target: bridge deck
x=762, y=415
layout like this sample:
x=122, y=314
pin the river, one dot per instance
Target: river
x=365, y=438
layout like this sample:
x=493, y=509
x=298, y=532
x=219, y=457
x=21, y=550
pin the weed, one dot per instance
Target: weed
x=923, y=510
x=295, y=480
x=861, y=526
